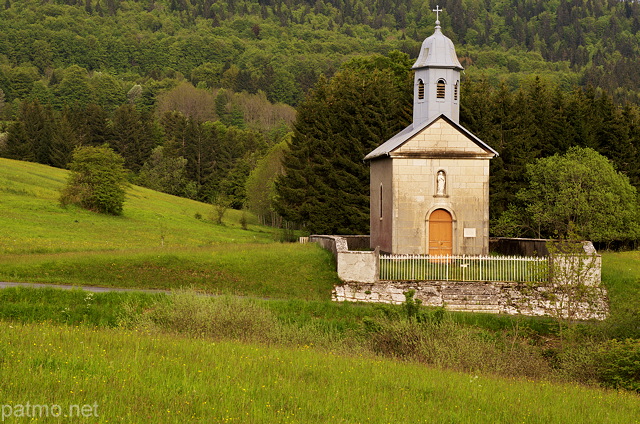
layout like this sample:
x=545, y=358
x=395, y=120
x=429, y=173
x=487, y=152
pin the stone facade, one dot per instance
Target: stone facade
x=429, y=190
x=404, y=191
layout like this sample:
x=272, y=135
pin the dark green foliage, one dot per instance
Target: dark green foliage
x=326, y=183
x=29, y=137
x=90, y=124
x=618, y=364
x=74, y=88
x=166, y=174
x=283, y=47
x=133, y=136
x=539, y=121
x=219, y=158
x=97, y=181
x=63, y=141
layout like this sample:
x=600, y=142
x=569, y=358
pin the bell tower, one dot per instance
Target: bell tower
x=437, y=78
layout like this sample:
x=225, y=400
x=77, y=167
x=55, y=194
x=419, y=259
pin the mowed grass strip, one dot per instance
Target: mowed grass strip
x=135, y=377
x=276, y=270
x=621, y=277
x=621, y=274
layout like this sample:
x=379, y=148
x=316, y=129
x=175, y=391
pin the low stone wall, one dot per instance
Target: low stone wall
x=359, y=272
x=333, y=244
x=489, y=297
x=356, y=266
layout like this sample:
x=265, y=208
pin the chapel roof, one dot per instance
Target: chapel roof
x=437, y=51
x=386, y=148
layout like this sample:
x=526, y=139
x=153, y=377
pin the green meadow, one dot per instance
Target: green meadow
x=134, y=377
x=281, y=351
x=161, y=241
x=32, y=221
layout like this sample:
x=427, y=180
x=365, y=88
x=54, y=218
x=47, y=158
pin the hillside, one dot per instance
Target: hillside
x=282, y=47
x=160, y=241
x=31, y=219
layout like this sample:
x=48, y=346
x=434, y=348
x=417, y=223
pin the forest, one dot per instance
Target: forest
x=281, y=47
x=199, y=96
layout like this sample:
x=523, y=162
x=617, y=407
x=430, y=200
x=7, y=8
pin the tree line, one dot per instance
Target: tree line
x=283, y=47
x=175, y=153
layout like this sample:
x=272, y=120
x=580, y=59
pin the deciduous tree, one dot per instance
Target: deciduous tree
x=579, y=192
x=97, y=181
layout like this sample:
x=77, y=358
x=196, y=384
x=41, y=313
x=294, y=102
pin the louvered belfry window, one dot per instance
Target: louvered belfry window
x=420, y=90
x=455, y=91
x=440, y=89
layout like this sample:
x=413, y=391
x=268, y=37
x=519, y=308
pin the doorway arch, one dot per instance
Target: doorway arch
x=440, y=233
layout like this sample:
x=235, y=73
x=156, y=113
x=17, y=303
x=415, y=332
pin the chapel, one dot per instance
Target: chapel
x=429, y=190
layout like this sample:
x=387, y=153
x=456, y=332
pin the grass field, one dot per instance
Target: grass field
x=32, y=221
x=134, y=377
x=157, y=243
x=283, y=353
x=621, y=276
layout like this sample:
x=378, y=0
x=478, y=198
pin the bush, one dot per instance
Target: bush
x=97, y=181
x=619, y=364
x=219, y=318
x=449, y=345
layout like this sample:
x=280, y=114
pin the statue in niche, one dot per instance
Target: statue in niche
x=441, y=183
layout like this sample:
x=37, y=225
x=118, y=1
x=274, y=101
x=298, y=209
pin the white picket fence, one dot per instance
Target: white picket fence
x=463, y=268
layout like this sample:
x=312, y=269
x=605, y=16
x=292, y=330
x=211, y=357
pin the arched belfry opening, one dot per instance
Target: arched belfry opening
x=441, y=88
x=420, y=89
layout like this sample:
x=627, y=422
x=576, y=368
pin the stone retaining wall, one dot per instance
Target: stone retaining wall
x=489, y=297
x=359, y=272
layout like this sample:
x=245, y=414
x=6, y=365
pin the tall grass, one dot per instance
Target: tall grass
x=135, y=377
x=440, y=340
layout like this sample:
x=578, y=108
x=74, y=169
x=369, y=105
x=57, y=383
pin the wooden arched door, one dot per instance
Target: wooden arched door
x=440, y=233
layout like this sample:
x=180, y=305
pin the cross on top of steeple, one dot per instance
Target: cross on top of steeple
x=437, y=10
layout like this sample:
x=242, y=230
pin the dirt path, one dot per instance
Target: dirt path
x=94, y=289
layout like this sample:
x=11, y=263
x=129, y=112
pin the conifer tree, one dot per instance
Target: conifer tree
x=326, y=183
x=63, y=142
x=133, y=136
x=29, y=138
